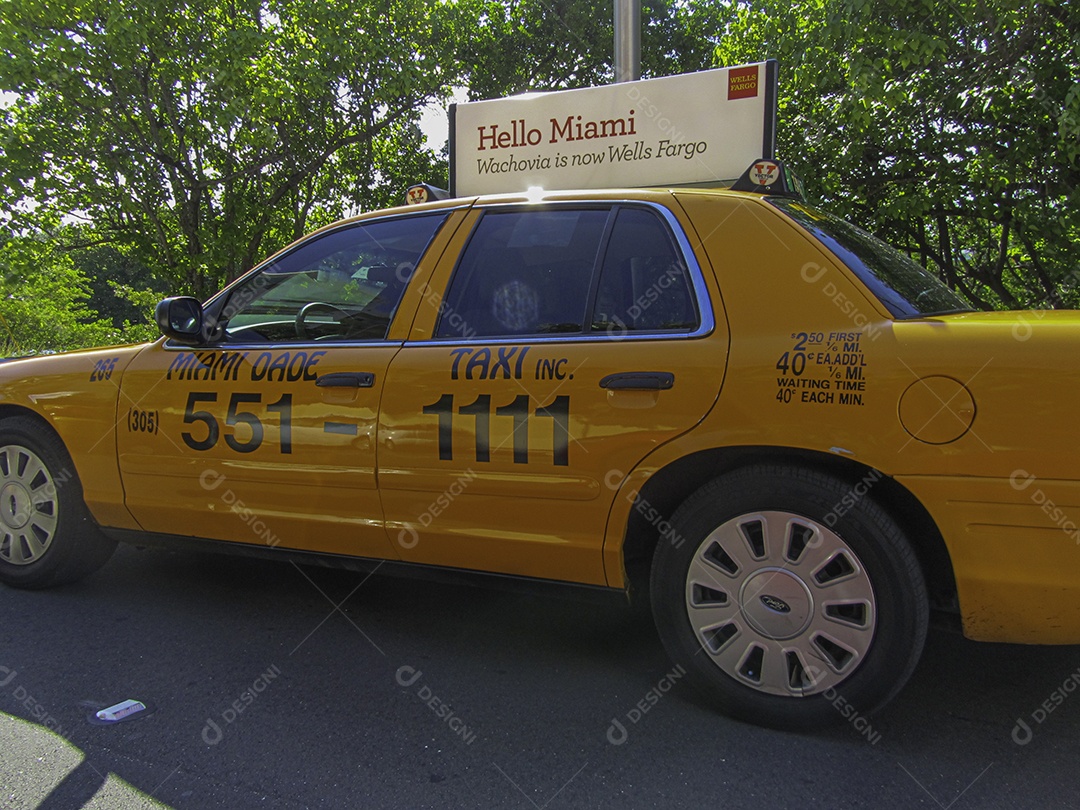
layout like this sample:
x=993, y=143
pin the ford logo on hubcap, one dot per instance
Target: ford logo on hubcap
x=773, y=603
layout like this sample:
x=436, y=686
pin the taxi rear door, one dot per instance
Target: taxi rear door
x=568, y=341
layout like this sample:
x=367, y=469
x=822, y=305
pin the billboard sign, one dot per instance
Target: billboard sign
x=676, y=130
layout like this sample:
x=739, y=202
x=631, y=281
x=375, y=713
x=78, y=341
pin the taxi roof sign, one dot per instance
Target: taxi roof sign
x=424, y=192
x=770, y=176
x=692, y=128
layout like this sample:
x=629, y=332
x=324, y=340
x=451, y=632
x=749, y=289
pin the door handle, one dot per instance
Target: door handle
x=638, y=381
x=346, y=379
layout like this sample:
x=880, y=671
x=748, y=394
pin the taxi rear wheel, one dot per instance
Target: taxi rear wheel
x=790, y=598
x=47, y=536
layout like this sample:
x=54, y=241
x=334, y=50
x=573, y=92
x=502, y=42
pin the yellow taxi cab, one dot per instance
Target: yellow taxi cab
x=787, y=436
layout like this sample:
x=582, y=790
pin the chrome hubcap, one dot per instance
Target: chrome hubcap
x=780, y=603
x=28, y=506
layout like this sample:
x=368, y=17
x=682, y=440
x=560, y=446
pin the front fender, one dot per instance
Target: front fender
x=77, y=395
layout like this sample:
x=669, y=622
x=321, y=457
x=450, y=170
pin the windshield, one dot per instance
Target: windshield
x=906, y=288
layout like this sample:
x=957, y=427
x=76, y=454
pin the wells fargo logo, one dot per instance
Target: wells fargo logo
x=742, y=82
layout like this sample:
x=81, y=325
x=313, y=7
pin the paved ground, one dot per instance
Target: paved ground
x=274, y=686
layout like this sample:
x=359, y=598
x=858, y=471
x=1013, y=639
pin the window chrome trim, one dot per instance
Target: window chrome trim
x=703, y=301
x=172, y=346
x=514, y=340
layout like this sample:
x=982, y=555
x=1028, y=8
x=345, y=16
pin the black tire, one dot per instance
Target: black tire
x=790, y=597
x=47, y=536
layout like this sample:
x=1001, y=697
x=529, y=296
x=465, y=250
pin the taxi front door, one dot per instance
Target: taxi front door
x=268, y=436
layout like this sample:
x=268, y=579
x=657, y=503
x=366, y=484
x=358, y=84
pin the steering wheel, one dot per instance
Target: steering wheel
x=301, y=316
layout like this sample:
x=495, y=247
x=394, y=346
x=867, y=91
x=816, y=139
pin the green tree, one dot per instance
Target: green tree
x=119, y=286
x=950, y=129
x=537, y=45
x=43, y=300
x=197, y=137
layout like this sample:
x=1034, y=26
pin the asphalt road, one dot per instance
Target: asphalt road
x=276, y=686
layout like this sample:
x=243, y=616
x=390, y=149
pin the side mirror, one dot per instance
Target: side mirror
x=181, y=318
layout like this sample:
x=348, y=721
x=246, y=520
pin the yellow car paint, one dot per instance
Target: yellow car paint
x=969, y=413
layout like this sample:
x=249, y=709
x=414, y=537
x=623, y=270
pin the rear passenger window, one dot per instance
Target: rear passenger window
x=569, y=271
x=525, y=273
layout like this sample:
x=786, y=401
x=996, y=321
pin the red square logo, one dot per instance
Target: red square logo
x=742, y=83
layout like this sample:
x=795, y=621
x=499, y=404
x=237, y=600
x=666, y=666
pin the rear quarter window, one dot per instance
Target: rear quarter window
x=906, y=288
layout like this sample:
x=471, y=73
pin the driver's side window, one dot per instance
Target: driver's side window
x=344, y=284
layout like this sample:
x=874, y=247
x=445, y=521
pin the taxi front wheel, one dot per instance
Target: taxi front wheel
x=790, y=598
x=47, y=536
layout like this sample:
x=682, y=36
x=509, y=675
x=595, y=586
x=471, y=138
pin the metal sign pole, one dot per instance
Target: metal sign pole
x=627, y=40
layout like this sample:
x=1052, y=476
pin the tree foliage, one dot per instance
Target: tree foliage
x=43, y=301
x=539, y=45
x=169, y=146
x=122, y=290
x=197, y=135
x=950, y=129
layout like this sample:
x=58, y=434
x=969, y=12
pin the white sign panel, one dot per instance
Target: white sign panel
x=692, y=128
